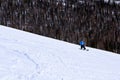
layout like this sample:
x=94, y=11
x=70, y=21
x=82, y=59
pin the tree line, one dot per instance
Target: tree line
x=97, y=22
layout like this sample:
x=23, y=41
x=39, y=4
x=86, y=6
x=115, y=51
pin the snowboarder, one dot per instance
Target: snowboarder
x=82, y=44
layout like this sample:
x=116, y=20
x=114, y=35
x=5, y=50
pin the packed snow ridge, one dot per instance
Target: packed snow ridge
x=27, y=56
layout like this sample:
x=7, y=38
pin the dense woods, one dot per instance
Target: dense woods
x=97, y=22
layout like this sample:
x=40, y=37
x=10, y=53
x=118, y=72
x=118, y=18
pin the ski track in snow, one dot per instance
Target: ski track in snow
x=29, y=58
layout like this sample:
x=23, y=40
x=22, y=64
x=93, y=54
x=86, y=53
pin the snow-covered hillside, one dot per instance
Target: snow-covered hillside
x=27, y=56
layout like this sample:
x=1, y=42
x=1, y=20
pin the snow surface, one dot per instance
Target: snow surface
x=27, y=56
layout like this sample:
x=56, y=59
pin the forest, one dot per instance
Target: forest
x=95, y=21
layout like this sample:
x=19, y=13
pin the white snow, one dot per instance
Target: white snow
x=27, y=56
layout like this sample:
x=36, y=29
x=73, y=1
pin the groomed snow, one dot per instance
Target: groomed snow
x=27, y=56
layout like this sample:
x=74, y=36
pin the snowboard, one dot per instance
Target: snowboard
x=84, y=49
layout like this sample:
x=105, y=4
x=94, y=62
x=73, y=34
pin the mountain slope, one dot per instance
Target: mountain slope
x=27, y=56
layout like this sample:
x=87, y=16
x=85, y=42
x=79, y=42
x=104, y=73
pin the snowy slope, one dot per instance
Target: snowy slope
x=26, y=56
